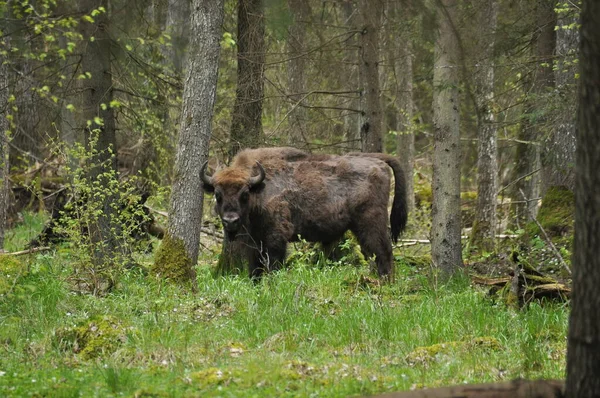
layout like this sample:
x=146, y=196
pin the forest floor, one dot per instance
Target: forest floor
x=310, y=330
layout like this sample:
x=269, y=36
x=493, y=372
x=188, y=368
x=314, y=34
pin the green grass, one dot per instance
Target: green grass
x=300, y=332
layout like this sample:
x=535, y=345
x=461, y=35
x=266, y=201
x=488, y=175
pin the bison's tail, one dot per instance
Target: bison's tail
x=399, y=214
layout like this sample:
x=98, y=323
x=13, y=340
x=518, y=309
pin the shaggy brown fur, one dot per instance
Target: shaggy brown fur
x=315, y=197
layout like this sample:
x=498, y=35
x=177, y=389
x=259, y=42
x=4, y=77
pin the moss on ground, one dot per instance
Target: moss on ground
x=93, y=337
x=556, y=214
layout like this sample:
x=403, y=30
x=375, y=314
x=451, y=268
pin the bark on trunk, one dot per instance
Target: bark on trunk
x=402, y=54
x=558, y=159
x=246, y=125
x=445, y=227
x=529, y=153
x=371, y=125
x=349, y=75
x=4, y=137
x=297, y=118
x=583, y=347
x=100, y=136
x=199, y=94
x=484, y=227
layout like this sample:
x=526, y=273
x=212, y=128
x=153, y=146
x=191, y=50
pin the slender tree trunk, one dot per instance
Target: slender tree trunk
x=529, y=153
x=484, y=227
x=178, y=24
x=349, y=75
x=445, y=227
x=178, y=253
x=558, y=160
x=4, y=158
x=296, y=46
x=371, y=126
x=402, y=55
x=99, y=128
x=246, y=125
x=583, y=347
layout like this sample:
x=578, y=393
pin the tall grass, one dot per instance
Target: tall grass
x=327, y=331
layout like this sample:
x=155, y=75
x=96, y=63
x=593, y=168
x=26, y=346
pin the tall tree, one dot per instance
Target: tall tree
x=178, y=253
x=246, y=125
x=583, y=347
x=371, y=126
x=4, y=158
x=349, y=75
x=445, y=227
x=558, y=156
x=99, y=124
x=484, y=227
x=528, y=158
x=296, y=44
x=401, y=53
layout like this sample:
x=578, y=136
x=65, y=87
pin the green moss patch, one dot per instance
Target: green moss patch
x=94, y=337
x=424, y=355
x=172, y=262
x=556, y=214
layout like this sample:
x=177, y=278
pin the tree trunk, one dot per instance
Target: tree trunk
x=445, y=227
x=4, y=158
x=528, y=151
x=402, y=55
x=99, y=127
x=371, y=125
x=178, y=253
x=246, y=125
x=484, y=227
x=583, y=347
x=296, y=47
x=349, y=77
x=178, y=25
x=558, y=160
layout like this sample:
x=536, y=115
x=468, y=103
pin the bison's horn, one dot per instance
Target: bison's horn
x=259, y=178
x=206, y=179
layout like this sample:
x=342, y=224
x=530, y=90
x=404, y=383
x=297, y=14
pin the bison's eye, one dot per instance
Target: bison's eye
x=244, y=196
x=218, y=197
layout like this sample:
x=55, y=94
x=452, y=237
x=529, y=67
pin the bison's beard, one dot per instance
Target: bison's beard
x=231, y=235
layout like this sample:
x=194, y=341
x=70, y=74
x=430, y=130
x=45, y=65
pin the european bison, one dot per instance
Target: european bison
x=271, y=196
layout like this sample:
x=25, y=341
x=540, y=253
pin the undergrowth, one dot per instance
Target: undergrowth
x=326, y=330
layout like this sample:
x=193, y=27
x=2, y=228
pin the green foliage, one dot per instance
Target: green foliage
x=556, y=214
x=11, y=271
x=100, y=203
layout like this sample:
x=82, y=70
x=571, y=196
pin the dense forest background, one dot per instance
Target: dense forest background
x=110, y=108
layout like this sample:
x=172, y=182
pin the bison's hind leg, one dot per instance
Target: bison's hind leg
x=373, y=237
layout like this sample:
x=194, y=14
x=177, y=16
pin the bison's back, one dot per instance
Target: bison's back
x=323, y=195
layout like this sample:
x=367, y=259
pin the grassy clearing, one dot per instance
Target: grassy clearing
x=325, y=331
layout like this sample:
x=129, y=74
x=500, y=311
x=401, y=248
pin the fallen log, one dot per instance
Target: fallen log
x=512, y=389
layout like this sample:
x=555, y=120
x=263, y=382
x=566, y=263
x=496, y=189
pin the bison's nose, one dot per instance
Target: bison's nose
x=231, y=221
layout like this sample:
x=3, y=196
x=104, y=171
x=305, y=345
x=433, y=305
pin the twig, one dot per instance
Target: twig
x=517, y=180
x=547, y=238
x=28, y=251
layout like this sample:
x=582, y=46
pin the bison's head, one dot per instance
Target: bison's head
x=232, y=188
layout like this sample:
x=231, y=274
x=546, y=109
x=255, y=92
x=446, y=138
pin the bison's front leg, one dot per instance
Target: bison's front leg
x=266, y=259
